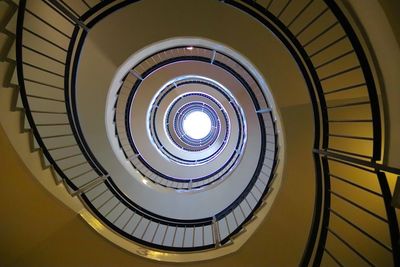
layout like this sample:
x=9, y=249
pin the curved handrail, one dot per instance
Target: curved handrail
x=244, y=195
x=76, y=36
x=148, y=166
x=326, y=151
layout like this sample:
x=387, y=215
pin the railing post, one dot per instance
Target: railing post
x=391, y=216
x=69, y=14
x=396, y=194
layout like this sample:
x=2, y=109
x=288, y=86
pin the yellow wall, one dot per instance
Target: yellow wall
x=37, y=230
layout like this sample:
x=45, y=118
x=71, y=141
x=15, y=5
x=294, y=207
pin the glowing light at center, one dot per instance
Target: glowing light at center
x=197, y=125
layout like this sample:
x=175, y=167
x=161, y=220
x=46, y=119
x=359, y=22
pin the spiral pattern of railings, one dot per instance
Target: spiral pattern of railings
x=336, y=69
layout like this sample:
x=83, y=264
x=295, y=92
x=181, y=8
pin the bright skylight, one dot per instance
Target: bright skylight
x=197, y=125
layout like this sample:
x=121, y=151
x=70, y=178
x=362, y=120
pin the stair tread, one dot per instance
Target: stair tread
x=11, y=55
x=12, y=23
x=26, y=124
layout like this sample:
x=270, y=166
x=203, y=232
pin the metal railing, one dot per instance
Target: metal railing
x=347, y=115
x=50, y=35
x=348, y=133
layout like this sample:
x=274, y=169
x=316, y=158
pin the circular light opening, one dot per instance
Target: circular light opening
x=197, y=125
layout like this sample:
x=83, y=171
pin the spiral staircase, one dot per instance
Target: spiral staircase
x=301, y=154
